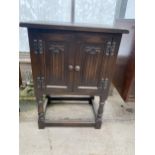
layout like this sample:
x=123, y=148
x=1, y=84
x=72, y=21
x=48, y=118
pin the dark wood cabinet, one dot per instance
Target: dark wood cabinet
x=70, y=60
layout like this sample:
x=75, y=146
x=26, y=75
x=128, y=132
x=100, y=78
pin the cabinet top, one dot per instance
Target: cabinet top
x=72, y=27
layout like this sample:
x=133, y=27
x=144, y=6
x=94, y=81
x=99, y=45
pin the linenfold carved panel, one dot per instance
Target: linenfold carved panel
x=55, y=69
x=91, y=55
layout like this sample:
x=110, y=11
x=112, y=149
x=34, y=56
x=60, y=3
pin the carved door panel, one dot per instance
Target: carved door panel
x=58, y=61
x=91, y=62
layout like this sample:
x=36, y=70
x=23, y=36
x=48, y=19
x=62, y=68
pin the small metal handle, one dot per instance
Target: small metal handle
x=70, y=67
x=77, y=68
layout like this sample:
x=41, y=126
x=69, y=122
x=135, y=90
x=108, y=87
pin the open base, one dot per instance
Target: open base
x=70, y=123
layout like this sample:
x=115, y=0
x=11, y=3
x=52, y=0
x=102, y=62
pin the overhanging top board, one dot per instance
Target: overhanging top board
x=72, y=27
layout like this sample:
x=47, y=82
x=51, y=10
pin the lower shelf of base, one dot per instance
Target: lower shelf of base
x=69, y=123
x=42, y=125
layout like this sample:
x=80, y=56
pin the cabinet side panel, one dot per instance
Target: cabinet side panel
x=37, y=54
x=109, y=65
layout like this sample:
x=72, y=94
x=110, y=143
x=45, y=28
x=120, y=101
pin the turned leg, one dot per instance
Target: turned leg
x=98, y=122
x=41, y=115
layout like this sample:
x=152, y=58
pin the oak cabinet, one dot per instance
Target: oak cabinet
x=72, y=59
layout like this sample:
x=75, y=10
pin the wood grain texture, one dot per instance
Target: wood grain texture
x=68, y=59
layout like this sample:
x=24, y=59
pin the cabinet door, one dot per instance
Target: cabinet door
x=91, y=61
x=58, y=61
x=52, y=60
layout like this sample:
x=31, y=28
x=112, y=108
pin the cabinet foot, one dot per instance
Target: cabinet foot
x=98, y=122
x=41, y=125
x=41, y=121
